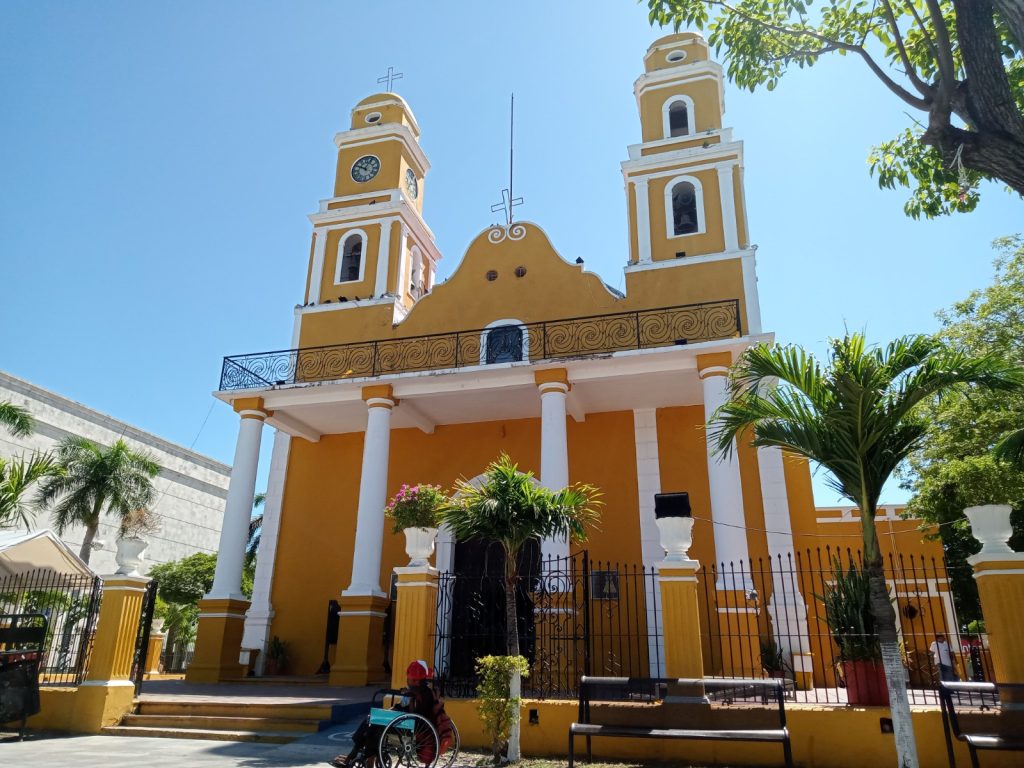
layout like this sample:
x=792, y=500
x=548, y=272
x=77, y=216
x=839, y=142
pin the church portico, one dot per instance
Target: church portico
x=398, y=377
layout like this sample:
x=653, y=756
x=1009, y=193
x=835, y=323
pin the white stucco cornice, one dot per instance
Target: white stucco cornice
x=374, y=134
x=636, y=150
x=666, y=78
x=694, y=159
x=397, y=206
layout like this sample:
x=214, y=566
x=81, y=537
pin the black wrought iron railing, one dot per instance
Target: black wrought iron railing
x=71, y=605
x=553, y=339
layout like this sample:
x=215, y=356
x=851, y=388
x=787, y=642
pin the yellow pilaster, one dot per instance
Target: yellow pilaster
x=680, y=618
x=153, y=652
x=360, y=656
x=218, y=641
x=107, y=694
x=415, y=619
x=1000, y=581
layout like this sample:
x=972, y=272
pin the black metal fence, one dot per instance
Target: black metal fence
x=575, y=617
x=554, y=339
x=71, y=604
x=140, y=657
x=771, y=618
x=179, y=646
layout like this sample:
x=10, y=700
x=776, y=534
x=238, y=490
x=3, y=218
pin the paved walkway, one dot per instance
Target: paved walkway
x=60, y=751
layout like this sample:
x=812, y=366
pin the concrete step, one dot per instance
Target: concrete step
x=229, y=708
x=268, y=737
x=232, y=723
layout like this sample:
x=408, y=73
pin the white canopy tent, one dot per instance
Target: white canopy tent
x=21, y=552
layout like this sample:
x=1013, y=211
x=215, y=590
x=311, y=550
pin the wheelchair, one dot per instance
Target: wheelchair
x=407, y=740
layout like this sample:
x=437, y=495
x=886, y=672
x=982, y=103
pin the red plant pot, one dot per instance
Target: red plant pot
x=865, y=683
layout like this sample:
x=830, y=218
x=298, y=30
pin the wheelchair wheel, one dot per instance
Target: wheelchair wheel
x=408, y=741
x=447, y=760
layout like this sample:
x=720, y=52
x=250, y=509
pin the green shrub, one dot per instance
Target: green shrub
x=496, y=707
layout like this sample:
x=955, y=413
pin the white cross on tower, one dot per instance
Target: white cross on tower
x=390, y=77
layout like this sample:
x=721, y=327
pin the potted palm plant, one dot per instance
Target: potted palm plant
x=277, y=657
x=414, y=510
x=847, y=601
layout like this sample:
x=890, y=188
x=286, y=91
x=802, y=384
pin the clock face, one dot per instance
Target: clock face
x=365, y=168
x=411, y=184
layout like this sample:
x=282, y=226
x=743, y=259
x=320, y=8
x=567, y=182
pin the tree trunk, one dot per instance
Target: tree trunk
x=512, y=632
x=892, y=660
x=994, y=145
x=86, y=550
x=1012, y=12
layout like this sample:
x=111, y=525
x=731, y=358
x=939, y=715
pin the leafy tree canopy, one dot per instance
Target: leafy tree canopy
x=954, y=468
x=957, y=63
x=187, y=581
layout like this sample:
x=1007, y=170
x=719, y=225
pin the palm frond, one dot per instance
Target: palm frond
x=16, y=419
x=17, y=477
x=1011, y=448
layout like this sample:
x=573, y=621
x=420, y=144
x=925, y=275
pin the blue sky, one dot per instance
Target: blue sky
x=157, y=162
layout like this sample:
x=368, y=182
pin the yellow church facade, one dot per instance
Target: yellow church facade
x=395, y=377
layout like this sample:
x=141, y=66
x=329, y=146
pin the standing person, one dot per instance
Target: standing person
x=943, y=658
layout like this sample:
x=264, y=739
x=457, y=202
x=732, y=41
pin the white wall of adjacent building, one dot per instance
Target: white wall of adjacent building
x=190, y=489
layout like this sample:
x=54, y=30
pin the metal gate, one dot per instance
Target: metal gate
x=142, y=635
x=575, y=617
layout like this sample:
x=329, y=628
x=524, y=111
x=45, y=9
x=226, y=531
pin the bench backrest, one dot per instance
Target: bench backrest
x=655, y=690
x=22, y=632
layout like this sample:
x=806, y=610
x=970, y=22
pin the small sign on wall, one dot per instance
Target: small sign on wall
x=604, y=585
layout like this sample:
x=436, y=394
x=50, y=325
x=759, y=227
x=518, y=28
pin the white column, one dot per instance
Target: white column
x=554, y=452
x=726, y=491
x=643, y=222
x=372, y=497
x=261, y=612
x=648, y=484
x=319, y=254
x=383, y=259
x=728, y=197
x=786, y=606
x=227, y=579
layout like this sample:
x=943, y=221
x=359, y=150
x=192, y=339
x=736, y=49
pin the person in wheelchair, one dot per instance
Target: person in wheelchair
x=418, y=698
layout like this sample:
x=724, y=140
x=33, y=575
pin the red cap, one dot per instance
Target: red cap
x=418, y=670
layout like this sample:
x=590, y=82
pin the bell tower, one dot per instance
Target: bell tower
x=370, y=242
x=684, y=186
x=685, y=179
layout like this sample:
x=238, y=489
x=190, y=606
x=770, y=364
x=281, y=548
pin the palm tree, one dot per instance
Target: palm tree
x=255, y=527
x=17, y=476
x=857, y=418
x=511, y=508
x=18, y=420
x=117, y=480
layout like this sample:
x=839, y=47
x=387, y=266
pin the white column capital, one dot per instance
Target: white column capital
x=549, y=387
x=380, y=402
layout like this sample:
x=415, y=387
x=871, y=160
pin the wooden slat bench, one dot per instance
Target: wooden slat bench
x=651, y=701
x=976, y=714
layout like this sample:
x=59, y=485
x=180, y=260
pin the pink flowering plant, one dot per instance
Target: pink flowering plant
x=416, y=506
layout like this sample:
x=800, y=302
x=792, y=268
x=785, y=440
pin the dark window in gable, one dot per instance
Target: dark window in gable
x=504, y=344
x=684, y=209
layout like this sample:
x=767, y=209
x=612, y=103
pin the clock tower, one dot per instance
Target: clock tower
x=371, y=245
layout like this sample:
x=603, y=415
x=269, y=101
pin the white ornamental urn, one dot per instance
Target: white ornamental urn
x=990, y=524
x=676, y=537
x=130, y=554
x=419, y=545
